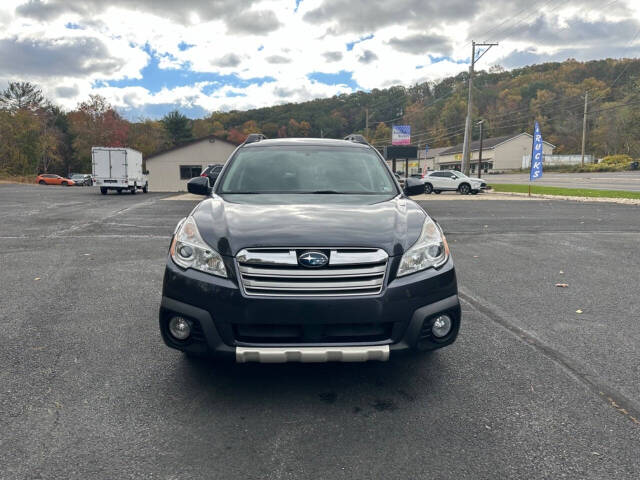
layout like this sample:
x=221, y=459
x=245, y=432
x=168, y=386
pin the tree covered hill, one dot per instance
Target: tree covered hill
x=508, y=101
x=36, y=136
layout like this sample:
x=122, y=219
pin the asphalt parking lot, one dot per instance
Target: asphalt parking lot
x=531, y=389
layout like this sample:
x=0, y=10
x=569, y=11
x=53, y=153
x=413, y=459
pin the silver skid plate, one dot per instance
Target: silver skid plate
x=312, y=354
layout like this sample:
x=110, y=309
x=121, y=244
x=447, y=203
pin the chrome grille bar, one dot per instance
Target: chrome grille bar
x=311, y=273
x=276, y=272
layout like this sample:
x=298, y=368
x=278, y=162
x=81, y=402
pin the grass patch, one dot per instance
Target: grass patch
x=569, y=192
x=17, y=179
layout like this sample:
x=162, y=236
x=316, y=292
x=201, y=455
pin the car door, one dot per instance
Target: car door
x=436, y=179
x=449, y=180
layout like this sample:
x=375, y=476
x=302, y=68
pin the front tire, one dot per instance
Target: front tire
x=145, y=189
x=103, y=190
x=42, y=182
x=65, y=184
x=119, y=190
x=133, y=190
x=464, y=189
x=428, y=188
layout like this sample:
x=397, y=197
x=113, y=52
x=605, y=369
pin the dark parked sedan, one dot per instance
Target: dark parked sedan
x=82, y=179
x=308, y=251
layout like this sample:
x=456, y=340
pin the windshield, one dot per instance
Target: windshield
x=309, y=169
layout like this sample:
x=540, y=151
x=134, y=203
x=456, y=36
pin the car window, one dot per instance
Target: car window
x=307, y=169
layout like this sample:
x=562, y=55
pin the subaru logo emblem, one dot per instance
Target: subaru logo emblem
x=313, y=259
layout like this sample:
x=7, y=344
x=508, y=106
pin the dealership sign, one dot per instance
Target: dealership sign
x=536, y=154
x=401, y=135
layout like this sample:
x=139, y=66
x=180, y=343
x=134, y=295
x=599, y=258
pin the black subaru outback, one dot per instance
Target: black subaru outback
x=308, y=250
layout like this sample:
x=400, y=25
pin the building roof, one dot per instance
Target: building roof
x=191, y=142
x=434, y=152
x=487, y=143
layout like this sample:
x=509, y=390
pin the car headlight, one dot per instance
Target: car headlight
x=430, y=250
x=188, y=250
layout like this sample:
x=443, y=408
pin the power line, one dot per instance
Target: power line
x=525, y=111
x=635, y=102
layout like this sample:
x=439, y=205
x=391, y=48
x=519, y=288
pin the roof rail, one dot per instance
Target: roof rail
x=356, y=138
x=255, y=137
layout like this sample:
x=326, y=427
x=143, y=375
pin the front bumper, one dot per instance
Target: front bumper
x=218, y=310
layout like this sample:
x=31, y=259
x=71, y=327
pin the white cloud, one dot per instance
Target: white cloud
x=245, y=41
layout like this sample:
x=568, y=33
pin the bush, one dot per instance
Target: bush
x=617, y=160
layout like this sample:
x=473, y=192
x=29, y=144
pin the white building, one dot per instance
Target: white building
x=499, y=154
x=170, y=170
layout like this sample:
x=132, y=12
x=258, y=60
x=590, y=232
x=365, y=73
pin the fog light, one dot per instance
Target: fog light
x=441, y=326
x=179, y=328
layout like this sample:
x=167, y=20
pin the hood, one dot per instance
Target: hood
x=241, y=221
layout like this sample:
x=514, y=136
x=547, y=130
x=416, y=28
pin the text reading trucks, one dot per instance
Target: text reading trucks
x=118, y=169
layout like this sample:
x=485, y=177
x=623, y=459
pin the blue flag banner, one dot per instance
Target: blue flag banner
x=536, y=154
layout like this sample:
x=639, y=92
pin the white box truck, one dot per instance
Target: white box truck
x=118, y=169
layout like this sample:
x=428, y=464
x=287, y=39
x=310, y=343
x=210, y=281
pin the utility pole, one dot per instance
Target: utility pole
x=366, y=123
x=481, y=122
x=584, y=126
x=466, y=146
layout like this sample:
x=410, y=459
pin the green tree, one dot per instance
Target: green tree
x=178, y=127
x=22, y=95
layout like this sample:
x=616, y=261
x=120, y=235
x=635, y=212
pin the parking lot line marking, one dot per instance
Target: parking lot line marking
x=576, y=370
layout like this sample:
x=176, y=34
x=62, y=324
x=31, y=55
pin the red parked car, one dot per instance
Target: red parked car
x=51, y=179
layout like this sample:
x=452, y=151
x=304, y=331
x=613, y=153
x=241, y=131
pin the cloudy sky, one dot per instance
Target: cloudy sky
x=151, y=56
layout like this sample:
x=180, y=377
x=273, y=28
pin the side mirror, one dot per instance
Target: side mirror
x=199, y=186
x=413, y=186
x=453, y=177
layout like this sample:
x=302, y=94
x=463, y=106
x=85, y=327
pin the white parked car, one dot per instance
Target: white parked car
x=452, y=180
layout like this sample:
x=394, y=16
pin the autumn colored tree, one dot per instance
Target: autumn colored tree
x=21, y=145
x=148, y=137
x=236, y=136
x=270, y=129
x=298, y=129
x=381, y=135
x=94, y=123
x=31, y=133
